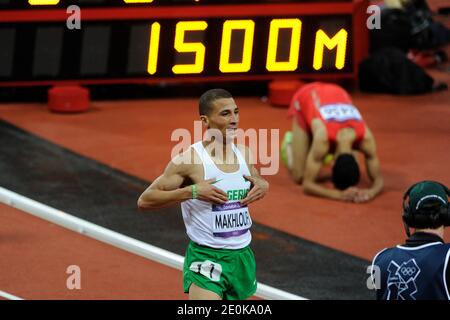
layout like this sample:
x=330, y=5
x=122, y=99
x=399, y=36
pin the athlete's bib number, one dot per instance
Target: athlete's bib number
x=207, y=268
x=230, y=220
x=339, y=112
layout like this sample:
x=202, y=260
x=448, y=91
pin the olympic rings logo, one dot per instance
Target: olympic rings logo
x=408, y=271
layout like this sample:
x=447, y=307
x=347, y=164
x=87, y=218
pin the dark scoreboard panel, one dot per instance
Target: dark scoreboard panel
x=27, y=4
x=160, y=41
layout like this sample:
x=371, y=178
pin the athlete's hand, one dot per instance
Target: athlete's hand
x=257, y=191
x=349, y=194
x=356, y=195
x=208, y=192
x=363, y=195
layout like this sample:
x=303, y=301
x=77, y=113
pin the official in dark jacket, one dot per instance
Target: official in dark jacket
x=419, y=269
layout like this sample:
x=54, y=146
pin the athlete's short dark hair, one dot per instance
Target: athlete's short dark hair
x=345, y=171
x=207, y=99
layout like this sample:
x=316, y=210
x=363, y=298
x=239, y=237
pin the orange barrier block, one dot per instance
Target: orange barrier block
x=68, y=99
x=281, y=92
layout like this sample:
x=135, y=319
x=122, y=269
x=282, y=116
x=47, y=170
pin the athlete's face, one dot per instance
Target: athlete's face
x=224, y=117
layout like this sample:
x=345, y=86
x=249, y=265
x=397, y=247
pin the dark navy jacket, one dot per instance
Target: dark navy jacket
x=417, y=270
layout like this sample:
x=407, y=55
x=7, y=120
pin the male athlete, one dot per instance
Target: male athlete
x=221, y=181
x=326, y=124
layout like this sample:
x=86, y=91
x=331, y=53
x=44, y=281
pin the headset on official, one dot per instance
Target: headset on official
x=422, y=219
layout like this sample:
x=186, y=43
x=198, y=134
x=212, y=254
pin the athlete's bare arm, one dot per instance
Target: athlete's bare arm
x=166, y=190
x=368, y=147
x=314, y=162
x=260, y=186
x=300, y=147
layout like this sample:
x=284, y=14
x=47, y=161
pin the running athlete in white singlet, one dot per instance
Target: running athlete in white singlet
x=214, y=193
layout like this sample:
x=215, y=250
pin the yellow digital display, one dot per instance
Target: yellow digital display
x=153, y=47
x=43, y=2
x=248, y=27
x=339, y=41
x=323, y=41
x=295, y=25
x=195, y=47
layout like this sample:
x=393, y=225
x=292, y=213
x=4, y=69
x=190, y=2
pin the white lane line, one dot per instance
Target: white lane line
x=118, y=240
x=9, y=296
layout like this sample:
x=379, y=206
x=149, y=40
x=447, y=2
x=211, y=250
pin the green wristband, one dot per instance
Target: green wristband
x=194, y=191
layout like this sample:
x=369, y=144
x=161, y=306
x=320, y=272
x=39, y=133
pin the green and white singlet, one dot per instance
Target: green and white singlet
x=225, y=226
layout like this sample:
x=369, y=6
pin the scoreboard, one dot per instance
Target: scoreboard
x=129, y=41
